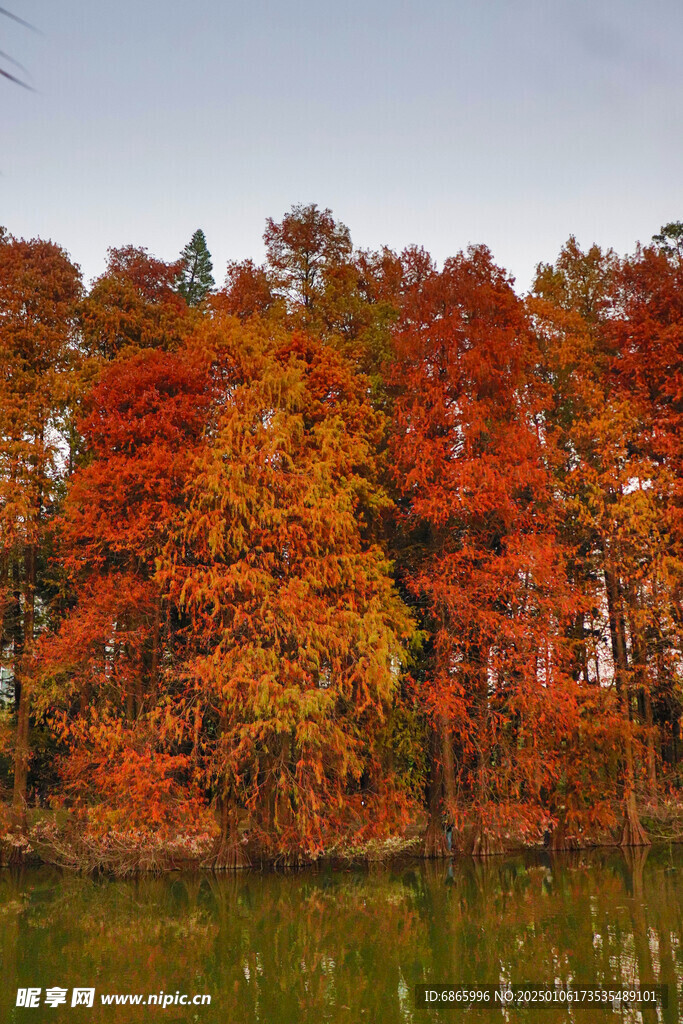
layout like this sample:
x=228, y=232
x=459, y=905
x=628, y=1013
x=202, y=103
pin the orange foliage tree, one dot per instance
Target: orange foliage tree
x=647, y=338
x=616, y=489
x=39, y=288
x=106, y=669
x=293, y=621
x=225, y=486
x=471, y=465
x=134, y=304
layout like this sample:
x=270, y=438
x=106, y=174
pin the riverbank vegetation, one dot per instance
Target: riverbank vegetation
x=349, y=552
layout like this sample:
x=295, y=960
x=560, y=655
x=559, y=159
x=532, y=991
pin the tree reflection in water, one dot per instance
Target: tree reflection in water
x=347, y=946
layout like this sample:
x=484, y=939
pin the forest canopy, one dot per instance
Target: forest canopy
x=349, y=547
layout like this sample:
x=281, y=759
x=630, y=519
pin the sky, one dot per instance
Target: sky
x=512, y=123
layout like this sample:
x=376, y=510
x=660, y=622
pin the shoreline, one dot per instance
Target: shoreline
x=122, y=855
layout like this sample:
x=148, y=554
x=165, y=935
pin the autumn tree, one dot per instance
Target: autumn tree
x=104, y=672
x=39, y=289
x=348, y=299
x=302, y=249
x=613, y=513
x=278, y=558
x=133, y=305
x=647, y=337
x=248, y=291
x=296, y=628
x=478, y=556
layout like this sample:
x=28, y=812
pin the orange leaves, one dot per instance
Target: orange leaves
x=231, y=630
x=133, y=306
x=235, y=627
x=480, y=559
x=39, y=288
x=122, y=780
x=294, y=609
x=142, y=419
x=106, y=662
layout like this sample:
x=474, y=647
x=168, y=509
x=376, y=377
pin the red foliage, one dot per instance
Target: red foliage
x=108, y=659
x=471, y=463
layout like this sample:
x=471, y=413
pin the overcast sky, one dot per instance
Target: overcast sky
x=441, y=122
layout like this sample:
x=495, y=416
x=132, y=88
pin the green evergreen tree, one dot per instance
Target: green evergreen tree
x=195, y=279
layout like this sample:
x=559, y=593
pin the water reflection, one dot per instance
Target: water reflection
x=346, y=946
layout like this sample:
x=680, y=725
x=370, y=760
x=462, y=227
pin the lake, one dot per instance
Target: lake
x=343, y=945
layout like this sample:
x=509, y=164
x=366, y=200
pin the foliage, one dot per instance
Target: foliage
x=294, y=624
x=350, y=544
x=134, y=304
x=195, y=280
x=471, y=464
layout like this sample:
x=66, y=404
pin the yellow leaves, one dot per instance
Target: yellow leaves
x=293, y=617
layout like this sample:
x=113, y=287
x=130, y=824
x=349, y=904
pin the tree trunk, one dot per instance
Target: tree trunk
x=483, y=843
x=644, y=700
x=651, y=753
x=434, y=841
x=23, y=675
x=283, y=804
x=633, y=833
x=4, y=595
x=448, y=768
x=17, y=636
x=559, y=839
x=229, y=853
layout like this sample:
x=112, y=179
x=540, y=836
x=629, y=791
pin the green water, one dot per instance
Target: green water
x=345, y=946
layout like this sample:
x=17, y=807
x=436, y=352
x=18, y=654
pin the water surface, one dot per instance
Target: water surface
x=345, y=946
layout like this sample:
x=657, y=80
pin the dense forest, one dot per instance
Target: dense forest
x=348, y=549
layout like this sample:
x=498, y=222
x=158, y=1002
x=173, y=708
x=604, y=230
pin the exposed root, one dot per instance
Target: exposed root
x=484, y=844
x=434, y=843
x=559, y=840
x=633, y=833
x=229, y=854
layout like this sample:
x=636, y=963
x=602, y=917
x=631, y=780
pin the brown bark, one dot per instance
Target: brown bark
x=584, y=651
x=559, y=839
x=229, y=853
x=17, y=636
x=651, y=753
x=484, y=844
x=23, y=675
x=580, y=656
x=644, y=702
x=84, y=698
x=197, y=725
x=283, y=805
x=448, y=767
x=633, y=833
x=434, y=840
x=4, y=589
